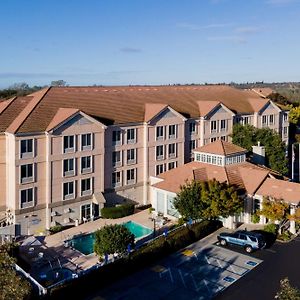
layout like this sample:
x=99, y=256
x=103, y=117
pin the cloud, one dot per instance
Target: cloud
x=247, y=29
x=130, y=50
x=195, y=27
x=281, y=2
x=230, y=38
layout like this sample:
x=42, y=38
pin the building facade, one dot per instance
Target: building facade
x=65, y=152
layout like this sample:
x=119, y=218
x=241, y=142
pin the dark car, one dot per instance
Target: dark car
x=249, y=240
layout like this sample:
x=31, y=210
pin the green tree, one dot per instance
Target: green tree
x=275, y=210
x=287, y=291
x=248, y=136
x=207, y=200
x=13, y=287
x=294, y=115
x=59, y=82
x=112, y=239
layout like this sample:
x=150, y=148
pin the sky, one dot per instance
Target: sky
x=121, y=42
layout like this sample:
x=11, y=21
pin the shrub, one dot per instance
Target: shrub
x=285, y=236
x=56, y=228
x=145, y=206
x=272, y=228
x=255, y=218
x=118, y=211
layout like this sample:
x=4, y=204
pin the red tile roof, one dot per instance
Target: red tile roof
x=221, y=147
x=61, y=115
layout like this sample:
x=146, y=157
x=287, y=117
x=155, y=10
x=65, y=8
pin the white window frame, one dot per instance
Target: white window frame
x=172, y=136
x=129, y=139
x=160, y=157
x=87, y=147
x=69, y=172
x=213, y=126
x=69, y=196
x=131, y=180
x=225, y=125
x=30, y=203
x=119, y=142
x=192, y=145
x=246, y=120
x=27, y=154
x=264, y=117
x=157, y=167
x=193, y=128
x=171, y=154
x=117, y=183
x=159, y=137
x=272, y=122
x=86, y=170
x=69, y=150
x=116, y=163
x=174, y=163
x=27, y=179
x=131, y=161
x=86, y=192
x=213, y=139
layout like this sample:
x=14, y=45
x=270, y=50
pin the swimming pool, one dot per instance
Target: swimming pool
x=85, y=244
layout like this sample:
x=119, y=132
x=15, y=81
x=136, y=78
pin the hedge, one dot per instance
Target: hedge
x=141, y=258
x=117, y=211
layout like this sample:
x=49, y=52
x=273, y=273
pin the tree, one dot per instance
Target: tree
x=59, y=82
x=287, y=291
x=207, y=200
x=112, y=239
x=13, y=287
x=294, y=115
x=248, y=136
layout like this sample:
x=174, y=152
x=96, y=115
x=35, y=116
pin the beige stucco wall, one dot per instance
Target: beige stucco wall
x=2, y=173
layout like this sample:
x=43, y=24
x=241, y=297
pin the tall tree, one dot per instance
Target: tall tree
x=207, y=200
x=12, y=286
x=112, y=239
x=275, y=210
x=248, y=136
x=59, y=82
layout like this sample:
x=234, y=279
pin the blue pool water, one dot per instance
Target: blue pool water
x=85, y=244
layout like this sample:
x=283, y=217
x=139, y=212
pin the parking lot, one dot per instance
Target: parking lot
x=194, y=273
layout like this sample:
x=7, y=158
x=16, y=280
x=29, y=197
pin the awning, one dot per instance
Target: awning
x=98, y=198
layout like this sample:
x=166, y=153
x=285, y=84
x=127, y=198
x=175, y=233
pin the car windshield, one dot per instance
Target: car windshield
x=253, y=239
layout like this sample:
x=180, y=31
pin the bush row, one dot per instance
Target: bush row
x=137, y=260
x=117, y=212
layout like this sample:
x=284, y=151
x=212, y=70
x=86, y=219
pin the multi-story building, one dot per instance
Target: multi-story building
x=65, y=151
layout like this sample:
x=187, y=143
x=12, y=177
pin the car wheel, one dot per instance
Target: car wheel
x=248, y=249
x=223, y=242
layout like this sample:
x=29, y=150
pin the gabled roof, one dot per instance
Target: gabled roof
x=61, y=115
x=258, y=104
x=220, y=147
x=279, y=189
x=205, y=107
x=4, y=104
x=126, y=104
x=152, y=110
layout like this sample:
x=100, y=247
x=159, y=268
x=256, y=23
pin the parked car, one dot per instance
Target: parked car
x=250, y=241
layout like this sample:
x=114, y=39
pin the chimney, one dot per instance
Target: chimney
x=259, y=154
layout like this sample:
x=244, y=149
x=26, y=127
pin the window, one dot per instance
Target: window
x=214, y=160
x=27, y=198
x=130, y=176
x=223, y=125
x=264, y=120
x=243, y=237
x=213, y=126
x=213, y=139
x=86, y=164
x=208, y=159
x=271, y=119
x=26, y=148
x=116, y=158
x=223, y=138
x=192, y=145
x=172, y=131
x=285, y=117
x=219, y=161
x=285, y=131
x=69, y=167
x=116, y=179
x=68, y=190
x=131, y=136
x=172, y=165
x=159, y=169
x=192, y=128
x=86, y=187
x=27, y=173
x=203, y=158
x=159, y=152
x=116, y=137
x=69, y=144
x=131, y=156
x=86, y=141
x=246, y=120
x=256, y=206
x=160, y=132
x=172, y=150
